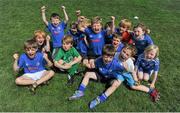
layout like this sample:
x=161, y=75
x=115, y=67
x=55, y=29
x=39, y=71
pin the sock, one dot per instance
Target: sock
x=102, y=97
x=82, y=87
x=150, y=90
x=69, y=76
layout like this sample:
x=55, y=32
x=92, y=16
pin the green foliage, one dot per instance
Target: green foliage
x=19, y=19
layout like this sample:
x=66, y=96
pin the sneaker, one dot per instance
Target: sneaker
x=155, y=95
x=94, y=103
x=70, y=81
x=78, y=94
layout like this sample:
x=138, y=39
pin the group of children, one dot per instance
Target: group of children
x=111, y=55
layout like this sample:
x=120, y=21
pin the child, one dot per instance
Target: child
x=141, y=39
x=42, y=40
x=79, y=39
x=68, y=58
x=108, y=38
x=147, y=64
x=95, y=37
x=116, y=43
x=130, y=76
x=56, y=28
x=105, y=70
x=123, y=30
x=33, y=63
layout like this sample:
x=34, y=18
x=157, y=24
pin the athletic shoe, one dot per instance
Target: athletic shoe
x=94, y=103
x=78, y=94
x=155, y=95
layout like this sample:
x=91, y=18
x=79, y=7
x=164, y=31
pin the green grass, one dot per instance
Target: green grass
x=18, y=20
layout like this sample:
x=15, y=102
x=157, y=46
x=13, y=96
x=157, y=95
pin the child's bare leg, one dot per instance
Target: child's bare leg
x=146, y=77
x=112, y=88
x=140, y=75
x=141, y=88
x=24, y=81
x=46, y=76
x=87, y=77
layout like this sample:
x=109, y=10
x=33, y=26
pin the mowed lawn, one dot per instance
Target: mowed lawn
x=19, y=19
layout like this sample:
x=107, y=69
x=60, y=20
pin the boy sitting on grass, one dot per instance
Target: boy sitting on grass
x=105, y=68
x=33, y=63
x=68, y=58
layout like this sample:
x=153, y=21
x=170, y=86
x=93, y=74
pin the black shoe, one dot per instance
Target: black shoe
x=70, y=81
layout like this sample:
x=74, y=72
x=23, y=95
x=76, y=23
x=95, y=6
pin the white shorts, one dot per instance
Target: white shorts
x=34, y=76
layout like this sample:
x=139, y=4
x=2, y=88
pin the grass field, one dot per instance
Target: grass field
x=18, y=20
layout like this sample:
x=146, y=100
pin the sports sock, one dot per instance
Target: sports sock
x=150, y=90
x=102, y=97
x=82, y=87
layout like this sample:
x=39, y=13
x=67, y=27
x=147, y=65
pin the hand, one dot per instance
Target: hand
x=60, y=62
x=78, y=12
x=45, y=56
x=152, y=85
x=67, y=65
x=112, y=18
x=63, y=7
x=43, y=8
x=48, y=38
x=16, y=56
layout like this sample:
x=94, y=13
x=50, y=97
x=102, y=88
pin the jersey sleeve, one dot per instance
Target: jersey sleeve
x=138, y=60
x=64, y=25
x=149, y=40
x=59, y=55
x=76, y=54
x=21, y=61
x=157, y=64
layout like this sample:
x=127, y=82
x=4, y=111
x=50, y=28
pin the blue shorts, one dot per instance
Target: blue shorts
x=129, y=79
x=145, y=71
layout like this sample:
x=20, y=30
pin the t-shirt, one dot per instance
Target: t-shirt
x=141, y=44
x=147, y=65
x=32, y=65
x=66, y=56
x=120, y=47
x=126, y=36
x=57, y=33
x=96, y=41
x=109, y=70
x=78, y=39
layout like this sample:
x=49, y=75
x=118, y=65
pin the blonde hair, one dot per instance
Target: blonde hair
x=96, y=19
x=39, y=33
x=152, y=47
x=67, y=39
x=125, y=23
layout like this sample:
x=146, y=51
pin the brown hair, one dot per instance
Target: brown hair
x=144, y=28
x=108, y=50
x=30, y=44
x=131, y=48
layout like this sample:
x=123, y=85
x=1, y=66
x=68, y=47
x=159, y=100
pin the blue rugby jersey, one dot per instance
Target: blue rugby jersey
x=141, y=44
x=96, y=41
x=57, y=33
x=146, y=65
x=109, y=70
x=32, y=65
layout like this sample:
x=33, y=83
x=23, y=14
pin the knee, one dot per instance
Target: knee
x=18, y=81
x=51, y=73
x=116, y=84
x=146, y=79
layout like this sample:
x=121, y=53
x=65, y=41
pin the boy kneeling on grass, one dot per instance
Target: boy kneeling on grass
x=33, y=63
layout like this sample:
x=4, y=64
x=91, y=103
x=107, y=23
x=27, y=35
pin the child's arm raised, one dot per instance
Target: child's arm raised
x=65, y=14
x=48, y=43
x=15, y=65
x=43, y=10
x=49, y=63
x=112, y=28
